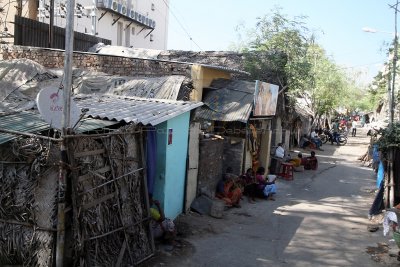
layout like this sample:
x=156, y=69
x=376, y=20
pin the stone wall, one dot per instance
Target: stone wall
x=210, y=166
x=115, y=65
x=233, y=154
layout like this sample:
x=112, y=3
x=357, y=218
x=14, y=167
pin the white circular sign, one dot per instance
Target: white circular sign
x=50, y=102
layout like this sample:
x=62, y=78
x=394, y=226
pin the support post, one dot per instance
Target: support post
x=51, y=25
x=67, y=85
x=392, y=99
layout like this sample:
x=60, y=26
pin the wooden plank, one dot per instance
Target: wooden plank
x=89, y=153
x=98, y=201
x=88, y=175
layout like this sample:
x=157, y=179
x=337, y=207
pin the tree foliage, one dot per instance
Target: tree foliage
x=287, y=51
x=389, y=137
x=283, y=43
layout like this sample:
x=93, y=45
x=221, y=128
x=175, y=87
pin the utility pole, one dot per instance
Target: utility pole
x=51, y=25
x=67, y=85
x=392, y=100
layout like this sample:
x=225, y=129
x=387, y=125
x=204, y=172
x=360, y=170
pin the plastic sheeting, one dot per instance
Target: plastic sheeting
x=166, y=87
x=20, y=81
x=15, y=73
x=390, y=217
x=380, y=175
x=101, y=48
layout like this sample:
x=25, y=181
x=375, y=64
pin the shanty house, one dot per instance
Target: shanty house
x=237, y=130
x=167, y=140
x=107, y=209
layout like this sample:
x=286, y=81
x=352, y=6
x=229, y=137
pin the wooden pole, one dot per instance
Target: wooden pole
x=67, y=85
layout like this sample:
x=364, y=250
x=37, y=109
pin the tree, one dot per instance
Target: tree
x=284, y=51
x=278, y=46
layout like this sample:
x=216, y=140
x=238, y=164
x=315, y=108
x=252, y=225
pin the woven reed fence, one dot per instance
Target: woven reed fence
x=28, y=188
x=107, y=220
x=112, y=225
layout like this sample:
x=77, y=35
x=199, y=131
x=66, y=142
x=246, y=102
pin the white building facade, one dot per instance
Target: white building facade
x=129, y=23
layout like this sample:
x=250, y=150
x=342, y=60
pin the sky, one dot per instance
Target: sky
x=209, y=25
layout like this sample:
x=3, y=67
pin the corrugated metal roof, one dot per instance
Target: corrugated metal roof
x=232, y=100
x=33, y=123
x=90, y=124
x=134, y=109
x=21, y=122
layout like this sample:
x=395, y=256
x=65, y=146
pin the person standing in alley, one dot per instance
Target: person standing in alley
x=353, y=128
x=335, y=129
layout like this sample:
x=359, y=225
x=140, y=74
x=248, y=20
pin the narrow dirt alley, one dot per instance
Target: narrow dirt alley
x=318, y=219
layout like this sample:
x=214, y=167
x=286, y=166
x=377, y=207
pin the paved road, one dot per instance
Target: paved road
x=318, y=219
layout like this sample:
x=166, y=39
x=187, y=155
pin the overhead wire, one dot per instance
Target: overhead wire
x=180, y=24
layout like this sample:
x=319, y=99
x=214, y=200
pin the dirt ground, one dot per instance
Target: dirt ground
x=194, y=225
x=362, y=239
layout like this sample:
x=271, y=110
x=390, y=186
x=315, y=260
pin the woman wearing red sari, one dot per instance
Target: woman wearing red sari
x=228, y=189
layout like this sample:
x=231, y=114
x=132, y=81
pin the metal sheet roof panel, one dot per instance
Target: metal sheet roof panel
x=21, y=122
x=230, y=100
x=134, y=109
x=25, y=122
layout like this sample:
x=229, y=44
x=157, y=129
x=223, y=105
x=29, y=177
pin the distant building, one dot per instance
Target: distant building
x=129, y=23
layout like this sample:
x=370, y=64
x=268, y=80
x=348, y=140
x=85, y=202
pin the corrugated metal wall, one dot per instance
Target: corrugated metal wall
x=28, y=32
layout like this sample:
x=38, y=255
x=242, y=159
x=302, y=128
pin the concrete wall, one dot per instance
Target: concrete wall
x=210, y=165
x=193, y=164
x=115, y=65
x=277, y=131
x=171, y=164
x=105, y=27
x=265, y=147
x=202, y=77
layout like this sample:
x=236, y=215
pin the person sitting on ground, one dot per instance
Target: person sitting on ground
x=280, y=151
x=316, y=140
x=311, y=163
x=297, y=161
x=249, y=185
x=228, y=189
x=305, y=142
x=163, y=228
x=266, y=187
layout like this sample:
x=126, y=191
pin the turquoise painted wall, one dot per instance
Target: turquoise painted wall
x=171, y=164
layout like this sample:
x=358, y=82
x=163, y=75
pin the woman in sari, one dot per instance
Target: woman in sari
x=266, y=184
x=228, y=189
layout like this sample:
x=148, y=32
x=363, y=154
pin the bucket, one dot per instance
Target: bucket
x=217, y=209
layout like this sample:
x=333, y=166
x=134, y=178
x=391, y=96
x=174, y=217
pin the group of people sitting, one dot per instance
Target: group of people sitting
x=309, y=163
x=231, y=187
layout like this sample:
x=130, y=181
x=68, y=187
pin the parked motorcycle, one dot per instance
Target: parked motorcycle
x=327, y=135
